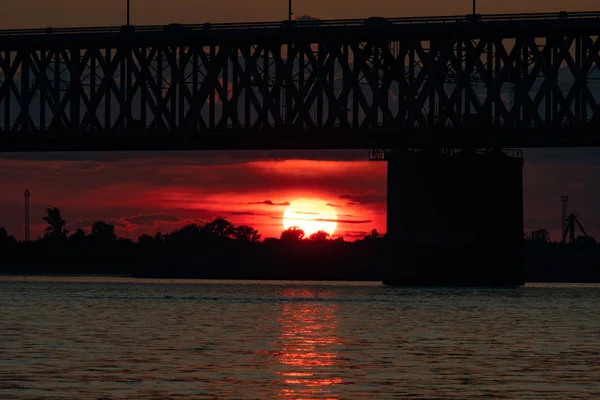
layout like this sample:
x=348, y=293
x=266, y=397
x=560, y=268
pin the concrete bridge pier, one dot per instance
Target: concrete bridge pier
x=455, y=218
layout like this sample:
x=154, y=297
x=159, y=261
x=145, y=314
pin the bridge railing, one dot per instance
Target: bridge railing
x=339, y=23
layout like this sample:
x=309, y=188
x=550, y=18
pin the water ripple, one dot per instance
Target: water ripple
x=119, y=338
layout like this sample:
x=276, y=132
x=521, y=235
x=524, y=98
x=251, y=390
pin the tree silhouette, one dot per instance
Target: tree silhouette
x=219, y=227
x=339, y=239
x=78, y=237
x=56, y=223
x=5, y=238
x=186, y=236
x=103, y=233
x=246, y=233
x=372, y=235
x=292, y=234
x=146, y=240
x=320, y=236
x=188, y=230
x=539, y=235
x=159, y=239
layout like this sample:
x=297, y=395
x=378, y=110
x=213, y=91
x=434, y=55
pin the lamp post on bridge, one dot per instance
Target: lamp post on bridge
x=290, y=11
x=474, y=7
x=128, y=12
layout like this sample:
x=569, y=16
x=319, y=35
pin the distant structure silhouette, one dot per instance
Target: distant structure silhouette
x=569, y=224
x=27, y=227
x=569, y=232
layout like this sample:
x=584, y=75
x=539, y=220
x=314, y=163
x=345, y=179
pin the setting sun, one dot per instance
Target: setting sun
x=311, y=216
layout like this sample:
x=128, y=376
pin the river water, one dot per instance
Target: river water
x=121, y=338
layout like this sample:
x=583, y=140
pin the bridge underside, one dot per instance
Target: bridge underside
x=492, y=81
x=325, y=140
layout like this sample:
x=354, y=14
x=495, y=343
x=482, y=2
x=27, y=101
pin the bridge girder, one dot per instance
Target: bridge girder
x=450, y=79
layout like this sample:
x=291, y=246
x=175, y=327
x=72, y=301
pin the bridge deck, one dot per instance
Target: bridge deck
x=332, y=139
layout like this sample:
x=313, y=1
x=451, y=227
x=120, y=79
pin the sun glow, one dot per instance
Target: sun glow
x=311, y=216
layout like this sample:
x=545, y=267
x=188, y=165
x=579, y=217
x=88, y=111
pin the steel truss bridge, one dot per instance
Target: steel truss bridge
x=526, y=80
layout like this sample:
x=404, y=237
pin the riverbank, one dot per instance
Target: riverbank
x=303, y=261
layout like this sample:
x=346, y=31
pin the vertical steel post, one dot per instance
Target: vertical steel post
x=25, y=89
x=108, y=58
x=43, y=95
x=578, y=82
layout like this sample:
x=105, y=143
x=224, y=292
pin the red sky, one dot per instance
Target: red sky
x=149, y=192
x=144, y=193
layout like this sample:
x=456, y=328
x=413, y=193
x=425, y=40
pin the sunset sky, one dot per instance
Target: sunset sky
x=149, y=192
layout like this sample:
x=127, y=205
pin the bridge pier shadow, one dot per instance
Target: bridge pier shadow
x=455, y=218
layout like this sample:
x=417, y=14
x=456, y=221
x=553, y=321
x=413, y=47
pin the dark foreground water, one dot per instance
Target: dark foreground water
x=119, y=338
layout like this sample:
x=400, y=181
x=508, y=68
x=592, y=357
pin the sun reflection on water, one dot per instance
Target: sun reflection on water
x=308, y=356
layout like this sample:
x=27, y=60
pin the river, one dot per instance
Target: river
x=122, y=338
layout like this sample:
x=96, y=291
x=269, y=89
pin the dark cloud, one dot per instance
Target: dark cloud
x=255, y=213
x=340, y=221
x=332, y=205
x=152, y=219
x=355, y=234
x=365, y=198
x=271, y=203
x=117, y=223
x=87, y=223
x=345, y=221
x=328, y=181
x=140, y=222
x=118, y=181
x=198, y=213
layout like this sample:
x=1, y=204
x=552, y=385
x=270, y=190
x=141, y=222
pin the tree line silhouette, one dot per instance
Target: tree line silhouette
x=220, y=250
x=216, y=249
